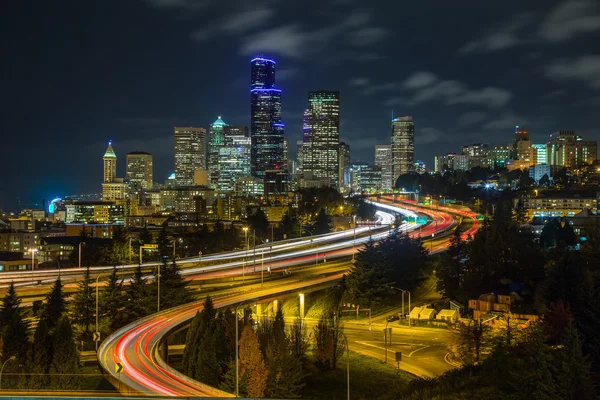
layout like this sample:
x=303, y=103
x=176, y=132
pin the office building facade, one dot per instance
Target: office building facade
x=344, y=166
x=266, y=128
x=567, y=149
x=234, y=162
x=139, y=169
x=540, y=154
x=383, y=159
x=190, y=153
x=403, y=146
x=216, y=141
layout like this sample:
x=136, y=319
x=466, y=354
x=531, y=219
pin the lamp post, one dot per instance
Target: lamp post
x=2, y=369
x=245, y=253
x=80, y=244
x=33, y=251
x=402, y=290
x=354, y=240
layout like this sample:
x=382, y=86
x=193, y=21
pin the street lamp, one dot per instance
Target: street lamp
x=354, y=241
x=402, y=290
x=245, y=253
x=80, y=244
x=12, y=358
x=33, y=251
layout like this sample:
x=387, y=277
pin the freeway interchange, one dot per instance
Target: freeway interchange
x=137, y=346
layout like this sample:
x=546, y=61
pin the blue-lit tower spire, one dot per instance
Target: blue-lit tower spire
x=266, y=129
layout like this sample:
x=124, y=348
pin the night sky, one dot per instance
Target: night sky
x=78, y=73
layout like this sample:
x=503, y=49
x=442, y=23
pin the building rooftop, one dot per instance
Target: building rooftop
x=110, y=153
x=139, y=153
x=219, y=122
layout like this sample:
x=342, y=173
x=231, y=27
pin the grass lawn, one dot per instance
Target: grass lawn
x=369, y=379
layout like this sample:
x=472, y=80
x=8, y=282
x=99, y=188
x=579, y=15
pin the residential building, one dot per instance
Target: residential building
x=190, y=153
x=403, y=146
x=461, y=163
x=537, y=172
x=567, y=149
x=383, y=159
x=444, y=163
x=556, y=207
x=139, y=169
x=324, y=137
x=266, y=128
x=478, y=154
x=499, y=156
x=101, y=212
x=19, y=241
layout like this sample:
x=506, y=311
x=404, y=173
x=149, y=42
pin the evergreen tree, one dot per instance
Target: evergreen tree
x=174, y=288
x=112, y=301
x=573, y=370
x=191, y=345
x=290, y=225
x=259, y=223
x=253, y=373
x=225, y=339
x=10, y=305
x=145, y=236
x=139, y=302
x=39, y=357
x=65, y=360
x=164, y=244
x=84, y=303
x=322, y=224
x=54, y=306
x=451, y=269
x=207, y=368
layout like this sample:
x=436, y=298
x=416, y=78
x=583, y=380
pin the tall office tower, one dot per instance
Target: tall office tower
x=190, y=153
x=522, y=146
x=324, y=140
x=305, y=161
x=234, y=162
x=567, y=149
x=403, y=147
x=110, y=164
x=266, y=129
x=234, y=130
x=344, y=166
x=216, y=141
x=139, y=169
x=299, y=156
x=383, y=159
x=286, y=155
x=540, y=154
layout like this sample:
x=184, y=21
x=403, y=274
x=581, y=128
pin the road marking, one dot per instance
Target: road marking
x=453, y=363
x=413, y=352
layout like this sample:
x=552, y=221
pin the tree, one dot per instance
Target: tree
x=322, y=224
x=200, y=354
x=15, y=340
x=84, y=303
x=10, y=306
x=290, y=225
x=112, y=301
x=174, y=289
x=145, y=236
x=39, y=357
x=473, y=338
x=451, y=268
x=259, y=223
x=164, y=244
x=298, y=340
x=54, y=306
x=139, y=301
x=65, y=360
x=253, y=373
x=573, y=370
x=327, y=344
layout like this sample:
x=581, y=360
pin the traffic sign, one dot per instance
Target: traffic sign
x=118, y=368
x=96, y=336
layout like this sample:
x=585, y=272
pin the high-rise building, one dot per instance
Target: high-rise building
x=567, y=149
x=540, y=154
x=266, y=128
x=110, y=164
x=499, y=156
x=521, y=146
x=444, y=163
x=324, y=136
x=344, y=166
x=403, y=146
x=190, y=153
x=277, y=184
x=299, y=156
x=216, y=141
x=139, y=169
x=369, y=178
x=234, y=162
x=383, y=159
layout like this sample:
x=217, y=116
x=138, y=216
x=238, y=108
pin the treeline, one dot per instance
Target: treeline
x=127, y=298
x=272, y=359
x=49, y=359
x=396, y=261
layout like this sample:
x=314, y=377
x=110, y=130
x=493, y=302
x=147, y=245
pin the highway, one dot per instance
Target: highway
x=136, y=346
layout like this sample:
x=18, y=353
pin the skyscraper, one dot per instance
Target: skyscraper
x=383, y=159
x=522, y=147
x=190, y=153
x=344, y=166
x=324, y=136
x=216, y=141
x=403, y=147
x=110, y=164
x=234, y=162
x=540, y=154
x=139, y=169
x=266, y=129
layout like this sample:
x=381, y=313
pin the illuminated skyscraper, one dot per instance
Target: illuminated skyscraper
x=403, y=147
x=190, y=153
x=266, y=128
x=324, y=137
x=234, y=162
x=139, y=169
x=344, y=166
x=216, y=141
x=110, y=164
x=383, y=159
x=540, y=154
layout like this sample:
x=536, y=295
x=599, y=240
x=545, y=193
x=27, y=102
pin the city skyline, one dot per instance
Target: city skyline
x=552, y=87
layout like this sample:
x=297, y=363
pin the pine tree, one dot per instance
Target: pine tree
x=322, y=224
x=112, y=301
x=225, y=339
x=139, y=299
x=15, y=341
x=573, y=370
x=10, y=305
x=451, y=268
x=84, y=303
x=65, y=360
x=54, y=305
x=174, y=288
x=253, y=373
x=164, y=244
x=39, y=357
x=191, y=346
